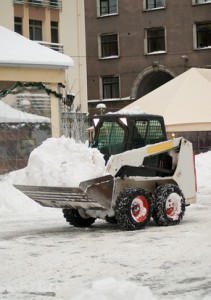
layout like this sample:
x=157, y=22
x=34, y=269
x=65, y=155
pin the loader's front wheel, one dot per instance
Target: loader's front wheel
x=133, y=208
x=77, y=217
x=168, y=205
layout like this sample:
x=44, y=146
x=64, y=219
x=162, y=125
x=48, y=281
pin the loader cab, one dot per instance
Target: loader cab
x=116, y=133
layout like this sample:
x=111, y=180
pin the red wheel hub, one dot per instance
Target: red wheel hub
x=139, y=208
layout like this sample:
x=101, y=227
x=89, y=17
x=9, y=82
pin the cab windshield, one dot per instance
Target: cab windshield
x=111, y=139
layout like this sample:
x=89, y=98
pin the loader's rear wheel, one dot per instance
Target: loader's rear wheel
x=133, y=208
x=168, y=205
x=77, y=218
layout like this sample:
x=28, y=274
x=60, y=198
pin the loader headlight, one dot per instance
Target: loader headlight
x=96, y=121
x=123, y=120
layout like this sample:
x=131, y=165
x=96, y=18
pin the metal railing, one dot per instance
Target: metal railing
x=55, y=4
x=54, y=46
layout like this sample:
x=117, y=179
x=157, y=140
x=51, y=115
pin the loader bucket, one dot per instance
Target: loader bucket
x=91, y=194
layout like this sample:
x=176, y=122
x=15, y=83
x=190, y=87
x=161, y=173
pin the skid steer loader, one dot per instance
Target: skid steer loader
x=148, y=176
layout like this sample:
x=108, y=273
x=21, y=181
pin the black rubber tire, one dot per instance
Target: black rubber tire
x=74, y=218
x=160, y=198
x=124, y=208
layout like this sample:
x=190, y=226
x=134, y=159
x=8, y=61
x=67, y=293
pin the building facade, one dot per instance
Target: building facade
x=58, y=24
x=136, y=46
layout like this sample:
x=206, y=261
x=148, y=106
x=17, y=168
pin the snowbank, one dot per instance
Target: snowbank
x=203, y=169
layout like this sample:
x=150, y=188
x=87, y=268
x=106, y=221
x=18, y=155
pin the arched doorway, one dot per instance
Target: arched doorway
x=150, y=79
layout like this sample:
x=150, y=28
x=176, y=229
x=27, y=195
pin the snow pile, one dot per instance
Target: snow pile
x=203, y=169
x=111, y=289
x=61, y=162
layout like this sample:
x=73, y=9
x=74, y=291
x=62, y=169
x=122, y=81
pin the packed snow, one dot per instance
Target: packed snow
x=43, y=257
x=61, y=162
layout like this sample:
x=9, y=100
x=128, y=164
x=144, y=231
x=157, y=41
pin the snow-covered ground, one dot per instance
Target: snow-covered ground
x=43, y=257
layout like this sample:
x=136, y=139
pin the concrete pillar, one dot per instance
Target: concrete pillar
x=26, y=20
x=47, y=26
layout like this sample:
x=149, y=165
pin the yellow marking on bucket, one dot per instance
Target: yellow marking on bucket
x=160, y=147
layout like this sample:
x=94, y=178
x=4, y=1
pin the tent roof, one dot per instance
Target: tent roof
x=16, y=50
x=184, y=102
x=12, y=115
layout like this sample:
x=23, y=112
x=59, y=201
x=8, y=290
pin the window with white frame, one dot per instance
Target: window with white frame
x=109, y=45
x=201, y=1
x=108, y=7
x=152, y=4
x=203, y=35
x=155, y=40
x=110, y=87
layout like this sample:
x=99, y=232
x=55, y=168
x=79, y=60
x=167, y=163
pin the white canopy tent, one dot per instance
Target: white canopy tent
x=11, y=115
x=184, y=102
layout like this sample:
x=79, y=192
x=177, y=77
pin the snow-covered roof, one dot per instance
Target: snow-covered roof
x=12, y=115
x=16, y=50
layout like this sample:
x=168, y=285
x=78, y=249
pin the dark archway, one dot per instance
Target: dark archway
x=150, y=79
x=151, y=82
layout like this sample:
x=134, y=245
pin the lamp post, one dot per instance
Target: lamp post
x=101, y=107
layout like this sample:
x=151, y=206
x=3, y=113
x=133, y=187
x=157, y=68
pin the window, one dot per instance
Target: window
x=35, y=1
x=54, y=2
x=54, y=32
x=111, y=139
x=108, y=7
x=35, y=30
x=155, y=40
x=203, y=35
x=110, y=87
x=18, y=25
x=151, y=4
x=109, y=45
x=201, y=1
